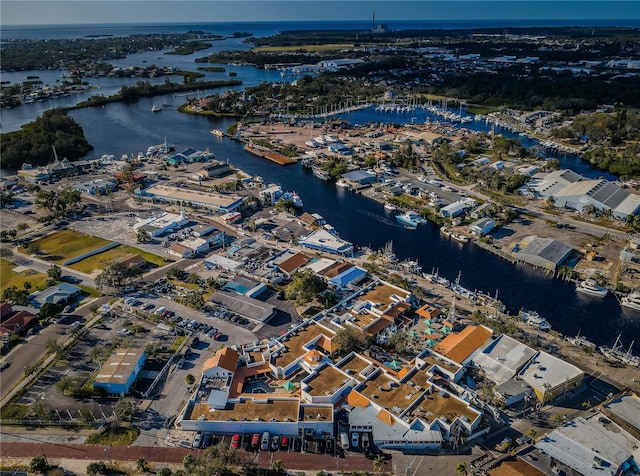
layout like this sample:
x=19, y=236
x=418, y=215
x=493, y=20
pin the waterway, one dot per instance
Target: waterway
x=130, y=128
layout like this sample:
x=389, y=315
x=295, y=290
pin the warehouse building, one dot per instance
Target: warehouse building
x=120, y=371
x=544, y=253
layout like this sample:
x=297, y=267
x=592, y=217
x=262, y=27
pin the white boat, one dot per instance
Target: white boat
x=217, y=132
x=535, y=320
x=617, y=353
x=390, y=206
x=342, y=183
x=581, y=341
x=437, y=279
x=592, y=288
x=321, y=174
x=446, y=231
x=460, y=237
x=156, y=108
x=632, y=300
x=409, y=219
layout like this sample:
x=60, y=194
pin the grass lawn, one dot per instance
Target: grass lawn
x=309, y=48
x=65, y=244
x=9, y=278
x=101, y=260
x=122, y=436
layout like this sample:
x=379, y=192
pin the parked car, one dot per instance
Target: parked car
x=275, y=441
x=235, y=441
x=355, y=439
x=255, y=441
x=284, y=443
x=264, y=444
x=197, y=440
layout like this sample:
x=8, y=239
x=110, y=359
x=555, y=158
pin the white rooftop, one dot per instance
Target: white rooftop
x=546, y=369
x=503, y=358
x=591, y=446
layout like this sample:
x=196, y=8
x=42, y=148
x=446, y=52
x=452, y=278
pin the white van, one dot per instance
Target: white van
x=160, y=310
x=344, y=440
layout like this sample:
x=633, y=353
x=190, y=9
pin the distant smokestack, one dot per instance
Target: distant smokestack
x=373, y=22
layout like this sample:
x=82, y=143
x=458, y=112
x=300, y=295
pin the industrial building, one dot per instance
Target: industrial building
x=551, y=377
x=545, y=253
x=120, y=371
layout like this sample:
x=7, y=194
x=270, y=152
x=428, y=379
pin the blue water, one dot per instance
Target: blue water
x=130, y=128
x=267, y=28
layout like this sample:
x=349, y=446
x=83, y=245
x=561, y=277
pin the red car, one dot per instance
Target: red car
x=283, y=332
x=235, y=441
x=217, y=336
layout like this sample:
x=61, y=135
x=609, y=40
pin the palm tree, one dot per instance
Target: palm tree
x=587, y=405
x=278, y=467
x=141, y=464
x=532, y=433
x=378, y=463
x=557, y=420
x=463, y=468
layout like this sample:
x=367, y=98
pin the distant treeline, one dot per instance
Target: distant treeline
x=35, y=141
x=146, y=89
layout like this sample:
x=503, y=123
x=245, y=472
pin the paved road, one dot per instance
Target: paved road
x=36, y=346
x=157, y=454
x=43, y=266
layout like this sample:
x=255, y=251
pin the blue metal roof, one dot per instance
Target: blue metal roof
x=347, y=276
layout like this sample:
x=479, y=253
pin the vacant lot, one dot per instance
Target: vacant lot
x=65, y=244
x=9, y=278
x=101, y=260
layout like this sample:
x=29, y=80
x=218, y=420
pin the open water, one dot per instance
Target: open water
x=129, y=128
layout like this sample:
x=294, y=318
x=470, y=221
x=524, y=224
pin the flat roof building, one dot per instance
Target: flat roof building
x=551, y=377
x=119, y=372
x=503, y=358
x=322, y=240
x=209, y=200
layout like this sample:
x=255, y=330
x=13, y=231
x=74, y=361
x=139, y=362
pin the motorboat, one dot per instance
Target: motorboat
x=342, y=183
x=460, y=237
x=592, y=288
x=390, y=206
x=409, y=219
x=156, y=108
x=534, y=319
x=581, y=341
x=631, y=300
x=446, y=231
x=217, y=132
x=320, y=173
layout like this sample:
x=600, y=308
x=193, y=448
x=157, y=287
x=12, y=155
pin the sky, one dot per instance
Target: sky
x=52, y=12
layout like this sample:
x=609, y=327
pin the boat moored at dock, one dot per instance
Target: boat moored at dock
x=409, y=219
x=631, y=300
x=591, y=288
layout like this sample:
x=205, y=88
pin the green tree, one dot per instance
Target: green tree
x=462, y=468
x=532, y=433
x=141, y=464
x=53, y=347
x=126, y=409
x=378, y=463
x=97, y=467
x=278, y=467
x=33, y=248
x=50, y=310
x=190, y=379
x=305, y=286
x=557, y=420
x=55, y=272
x=38, y=464
x=143, y=236
x=350, y=338
x=164, y=472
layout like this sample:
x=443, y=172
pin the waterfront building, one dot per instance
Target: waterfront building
x=118, y=374
x=206, y=199
x=482, y=226
x=551, y=377
x=322, y=240
x=359, y=178
x=503, y=358
x=454, y=210
x=461, y=347
x=544, y=253
x=602, y=194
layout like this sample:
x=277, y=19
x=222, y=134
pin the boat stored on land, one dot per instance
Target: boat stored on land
x=535, y=320
x=580, y=341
